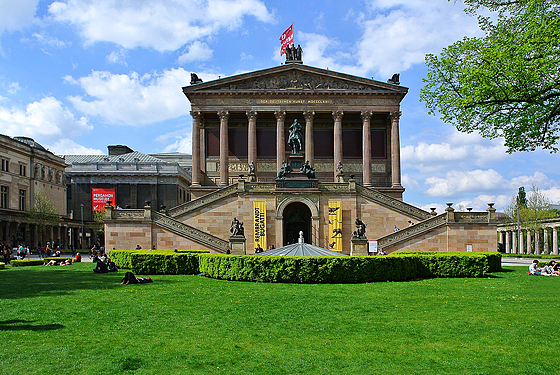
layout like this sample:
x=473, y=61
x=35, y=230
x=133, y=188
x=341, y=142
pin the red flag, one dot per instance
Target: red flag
x=286, y=39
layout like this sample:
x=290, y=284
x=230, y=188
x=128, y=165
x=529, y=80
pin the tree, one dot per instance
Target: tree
x=506, y=83
x=43, y=213
x=521, y=199
x=537, y=207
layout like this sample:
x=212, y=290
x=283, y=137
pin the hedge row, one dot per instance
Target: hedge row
x=532, y=256
x=162, y=262
x=402, y=266
x=27, y=262
x=456, y=263
x=2, y=266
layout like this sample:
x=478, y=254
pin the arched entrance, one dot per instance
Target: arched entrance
x=297, y=217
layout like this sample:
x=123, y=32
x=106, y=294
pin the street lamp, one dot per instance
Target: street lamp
x=82, y=237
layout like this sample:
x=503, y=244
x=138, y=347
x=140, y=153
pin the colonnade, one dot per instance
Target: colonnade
x=280, y=115
x=64, y=235
x=528, y=241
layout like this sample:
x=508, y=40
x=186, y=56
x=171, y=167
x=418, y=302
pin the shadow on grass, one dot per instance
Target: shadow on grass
x=25, y=325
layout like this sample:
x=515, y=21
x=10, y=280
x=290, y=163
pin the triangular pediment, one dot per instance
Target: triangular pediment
x=294, y=77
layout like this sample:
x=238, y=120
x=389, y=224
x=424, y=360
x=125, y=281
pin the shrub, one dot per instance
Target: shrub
x=163, y=262
x=2, y=266
x=27, y=262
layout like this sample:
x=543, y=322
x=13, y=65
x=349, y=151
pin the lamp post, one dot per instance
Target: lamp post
x=518, y=250
x=82, y=236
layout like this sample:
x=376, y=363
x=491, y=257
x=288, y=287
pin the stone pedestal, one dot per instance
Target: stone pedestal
x=296, y=161
x=237, y=245
x=359, y=246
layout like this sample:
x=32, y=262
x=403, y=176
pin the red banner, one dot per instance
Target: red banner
x=99, y=198
x=286, y=39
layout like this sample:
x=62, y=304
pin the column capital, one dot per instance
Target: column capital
x=366, y=115
x=395, y=115
x=337, y=115
x=308, y=115
x=197, y=115
x=223, y=115
x=252, y=115
x=280, y=115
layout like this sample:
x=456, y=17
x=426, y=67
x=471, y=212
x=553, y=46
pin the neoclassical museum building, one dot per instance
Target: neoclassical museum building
x=293, y=149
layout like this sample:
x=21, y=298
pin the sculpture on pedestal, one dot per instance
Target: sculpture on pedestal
x=295, y=139
x=236, y=228
x=307, y=170
x=360, y=230
x=284, y=170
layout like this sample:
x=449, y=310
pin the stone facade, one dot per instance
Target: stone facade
x=350, y=137
x=29, y=169
x=537, y=239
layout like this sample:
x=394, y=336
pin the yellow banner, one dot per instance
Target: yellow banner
x=335, y=226
x=259, y=224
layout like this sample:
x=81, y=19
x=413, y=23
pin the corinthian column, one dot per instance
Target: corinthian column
x=197, y=120
x=337, y=116
x=224, y=149
x=280, y=141
x=366, y=147
x=252, y=141
x=395, y=150
x=309, y=147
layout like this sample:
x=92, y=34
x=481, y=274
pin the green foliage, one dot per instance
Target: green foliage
x=532, y=256
x=27, y=262
x=162, y=262
x=43, y=213
x=532, y=209
x=504, y=84
x=2, y=266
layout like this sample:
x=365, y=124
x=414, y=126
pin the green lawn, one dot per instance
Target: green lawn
x=68, y=320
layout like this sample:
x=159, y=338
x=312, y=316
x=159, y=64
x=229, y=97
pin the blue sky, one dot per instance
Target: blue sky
x=77, y=75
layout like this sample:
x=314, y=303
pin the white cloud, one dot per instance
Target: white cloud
x=553, y=194
x=197, y=51
x=132, y=99
x=17, y=15
x=50, y=41
x=456, y=182
x=69, y=147
x=402, y=32
x=164, y=25
x=539, y=179
x=117, y=57
x=460, y=148
x=47, y=121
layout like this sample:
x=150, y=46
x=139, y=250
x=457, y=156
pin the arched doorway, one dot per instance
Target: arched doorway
x=297, y=217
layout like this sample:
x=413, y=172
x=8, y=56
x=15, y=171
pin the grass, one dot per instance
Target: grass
x=68, y=320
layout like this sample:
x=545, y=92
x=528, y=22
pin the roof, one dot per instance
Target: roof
x=302, y=250
x=132, y=157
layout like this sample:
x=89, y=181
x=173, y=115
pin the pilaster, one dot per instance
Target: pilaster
x=280, y=139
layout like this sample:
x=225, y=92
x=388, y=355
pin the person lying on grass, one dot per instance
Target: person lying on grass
x=548, y=270
x=66, y=262
x=129, y=278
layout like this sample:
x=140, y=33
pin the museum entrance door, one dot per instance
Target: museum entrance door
x=297, y=217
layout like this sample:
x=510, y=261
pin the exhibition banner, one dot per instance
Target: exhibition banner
x=335, y=226
x=99, y=198
x=259, y=224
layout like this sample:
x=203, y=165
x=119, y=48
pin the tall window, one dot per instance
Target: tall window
x=4, y=197
x=22, y=194
x=22, y=170
x=5, y=165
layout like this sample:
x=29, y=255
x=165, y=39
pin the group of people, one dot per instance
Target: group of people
x=104, y=264
x=551, y=269
x=66, y=262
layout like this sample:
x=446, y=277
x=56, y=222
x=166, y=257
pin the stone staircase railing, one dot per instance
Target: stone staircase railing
x=190, y=232
x=392, y=203
x=404, y=234
x=205, y=200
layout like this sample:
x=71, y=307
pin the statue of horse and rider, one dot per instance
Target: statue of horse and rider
x=295, y=140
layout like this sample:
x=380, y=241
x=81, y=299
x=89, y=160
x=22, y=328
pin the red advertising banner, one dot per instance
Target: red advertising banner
x=99, y=198
x=286, y=39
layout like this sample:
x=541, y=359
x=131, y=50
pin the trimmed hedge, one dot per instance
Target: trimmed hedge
x=307, y=270
x=456, y=263
x=162, y=262
x=356, y=269
x=532, y=256
x=27, y=262
x=2, y=266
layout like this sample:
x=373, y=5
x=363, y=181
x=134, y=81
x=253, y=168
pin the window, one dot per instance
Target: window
x=4, y=197
x=22, y=170
x=5, y=165
x=22, y=194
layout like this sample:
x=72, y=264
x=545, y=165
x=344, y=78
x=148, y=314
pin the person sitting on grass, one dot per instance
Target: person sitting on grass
x=533, y=270
x=100, y=267
x=111, y=265
x=77, y=259
x=129, y=278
